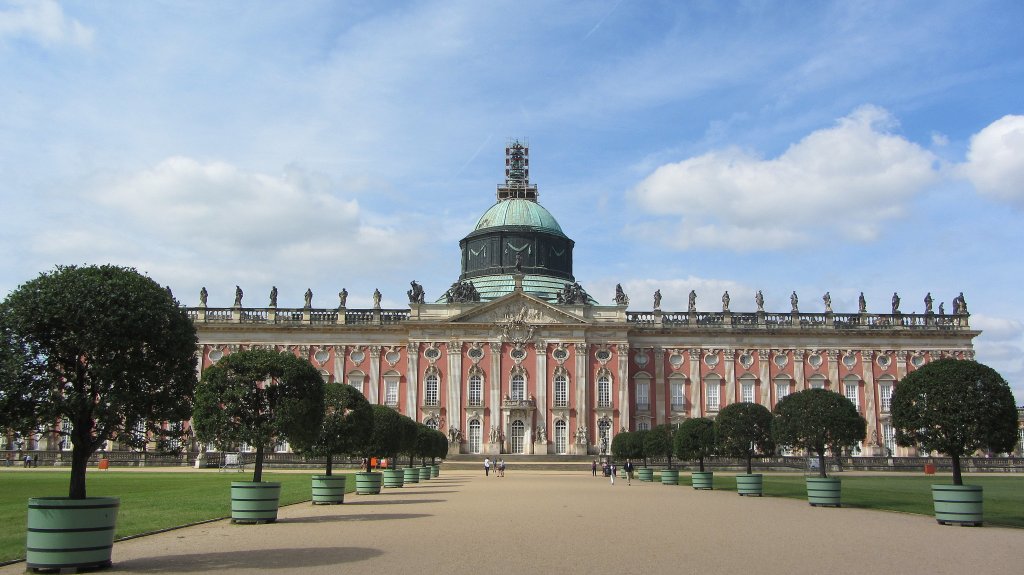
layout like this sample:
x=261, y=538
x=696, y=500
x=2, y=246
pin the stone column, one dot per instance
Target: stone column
x=765, y=375
x=375, y=383
x=454, y=400
x=541, y=414
x=729, y=356
x=696, y=383
x=625, y=403
x=657, y=395
x=582, y=399
x=868, y=370
x=412, y=375
x=494, y=399
x=833, y=366
x=798, y=368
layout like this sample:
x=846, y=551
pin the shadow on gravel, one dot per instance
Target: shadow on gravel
x=359, y=517
x=389, y=502
x=254, y=559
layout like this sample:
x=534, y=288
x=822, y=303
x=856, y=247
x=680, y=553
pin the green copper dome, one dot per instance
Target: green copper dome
x=519, y=212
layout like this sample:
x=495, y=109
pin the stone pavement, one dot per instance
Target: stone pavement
x=551, y=522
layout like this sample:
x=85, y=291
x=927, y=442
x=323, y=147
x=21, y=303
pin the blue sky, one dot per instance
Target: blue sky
x=781, y=146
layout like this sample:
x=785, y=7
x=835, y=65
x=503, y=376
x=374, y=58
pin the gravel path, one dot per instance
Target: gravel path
x=548, y=522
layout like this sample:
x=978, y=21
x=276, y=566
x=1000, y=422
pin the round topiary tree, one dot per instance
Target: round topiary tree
x=695, y=439
x=440, y=447
x=658, y=443
x=386, y=437
x=347, y=424
x=955, y=407
x=816, y=420
x=744, y=430
x=640, y=443
x=92, y=354
x=622, y=444
x=409, y=429
x=259, y=397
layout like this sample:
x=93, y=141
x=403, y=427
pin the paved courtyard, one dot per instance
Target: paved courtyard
x=551, y=522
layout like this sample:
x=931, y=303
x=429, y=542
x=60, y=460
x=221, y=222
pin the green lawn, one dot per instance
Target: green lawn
x=1004, y=496
x=149, y=501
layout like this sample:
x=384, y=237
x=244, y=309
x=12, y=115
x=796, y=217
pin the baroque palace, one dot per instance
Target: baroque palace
x=516, y=357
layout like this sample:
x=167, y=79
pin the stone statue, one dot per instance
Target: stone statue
x=494, y=434
x=273, y=296
x=519, y=263
x=942, y=308
x=620, y=296
x=203, y=294
x=759, y=300
x=342, y=297
x=541, y=436
x=454, y=435
x=959, y=305
x=928, y=303
x=238, y=296
x=308, y=297
x=376, y=299
x=895, y=303
x=692, y=301
x=862, y=304
x=581, y=435
x=416, y=294
x=463, y=291
x=573, y=294
x=827, y=298
x=794, y=301
x=657, y=299
x=725, y=301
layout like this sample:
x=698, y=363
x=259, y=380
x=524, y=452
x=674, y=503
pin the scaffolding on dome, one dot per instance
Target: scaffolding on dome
x=517, y=173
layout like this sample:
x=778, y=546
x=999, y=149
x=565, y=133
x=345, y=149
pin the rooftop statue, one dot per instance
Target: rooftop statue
x=376, y=299
x=238, y=296
x=759, y=300
x=928, y=303
x=862, y=304
x=657, y=299
x=202, y=296
x=725, y=301
x=273, y=296
x=308, y=297
x=827, y=298
x=620, y=296
x=416, y=294
x=342, y=297
x=461, y=292
x=959, y=305
x=573, y=294
x=693, y=301
x=794, y=301
x=895, y=303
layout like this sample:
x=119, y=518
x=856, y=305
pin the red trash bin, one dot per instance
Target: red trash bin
x=104, y=463
x=929, y=469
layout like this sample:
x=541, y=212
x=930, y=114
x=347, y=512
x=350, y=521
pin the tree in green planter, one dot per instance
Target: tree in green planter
x=816, y=420
x=955, y=407
x=409, y=429
x=386, y=438
x=695, y=439
x=628, y=445
x=640, y=443
x=425, y=442
x=440, y=447
x=259, y=397
x=102, y=348
x=744, y=430
x=658, y=443
x=347, y=424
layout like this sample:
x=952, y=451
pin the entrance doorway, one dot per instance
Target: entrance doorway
x=518, y=433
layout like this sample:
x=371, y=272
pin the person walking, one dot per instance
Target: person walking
x=501, y=467
x=611, y=472
x=629, y=472
x=593, y=468
x=487, y=467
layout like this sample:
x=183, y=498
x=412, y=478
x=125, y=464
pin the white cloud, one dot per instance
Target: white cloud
x=43, y=21
x=850, y=179
x=995, y=160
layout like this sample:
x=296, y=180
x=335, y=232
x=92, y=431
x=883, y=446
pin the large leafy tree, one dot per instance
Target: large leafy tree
x=347, y=424
x=744, y=430
x=695, y=439
x=955, y=407
x=386, y=438
x=259, y=397
x=816, y=420
x=92, y=354
x=658, y=443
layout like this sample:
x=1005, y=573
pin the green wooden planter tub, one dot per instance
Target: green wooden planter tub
x=328, y=489
x=750, y=484
x=702, y=480
x=645, y=474
x=394, y=478
x=412, y=475
x=670, y=477
x=254, y=502
x=824, y=491
x=435, y=470
x=424, y=473
x=70, y=533
x=368, y=483
x=958, y=504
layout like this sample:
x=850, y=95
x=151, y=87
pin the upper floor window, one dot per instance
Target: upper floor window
x=476, y=390
x=604, y=391
x=643, y=400
x=431, y=392
x=561, y=391
x=678, y=398
x=518, y=386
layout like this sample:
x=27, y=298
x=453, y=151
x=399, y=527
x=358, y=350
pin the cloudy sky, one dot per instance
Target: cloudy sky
x=781, y=146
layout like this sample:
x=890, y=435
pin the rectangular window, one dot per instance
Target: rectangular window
x=561, y=391
x=604, y=392
x=781, y=390
x=431, y=390
x=643, y=400
x=391, y=391
x=889, y=438
x=748, y=392
x=643, y=425
x=356, y=381
x=476, y=390
x=885, y=392
x=851, y=393
x=712, y=397
x=678, y=399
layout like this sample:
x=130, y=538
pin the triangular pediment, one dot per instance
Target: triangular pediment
x=518, y=307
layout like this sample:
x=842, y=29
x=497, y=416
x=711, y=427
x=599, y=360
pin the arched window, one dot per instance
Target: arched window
x=643, y=425
x=474, y=436
x=642, y=386
x=817, y=381
x=430, y=392
x=431, y=423
x=712, y=386
x=517, y=443
x=476, y=390
x=747, y=384
x=561, y=437
x=355, y=379
x=604, y=433
x=604, y=390
x=518, y=387
x=561, y=390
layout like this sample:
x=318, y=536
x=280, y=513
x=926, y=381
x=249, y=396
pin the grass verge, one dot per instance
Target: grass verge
x=149, y=501
x=1003, y=496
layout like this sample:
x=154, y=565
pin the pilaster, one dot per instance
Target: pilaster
x=729, y=356
x=659, y=407
x=625, y=402
x=696, y=383
x=375, y=382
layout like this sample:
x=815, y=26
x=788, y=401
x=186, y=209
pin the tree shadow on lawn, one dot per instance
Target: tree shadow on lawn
x=252, y=559
x=357, y=517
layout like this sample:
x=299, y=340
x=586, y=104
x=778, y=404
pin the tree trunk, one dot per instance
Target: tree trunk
x=821, y=464
x=750, y=468
x=329, y=462
x=79, y=463
x=369, y=464
x=257, y=470
x=957, y=478
x=700, y=461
